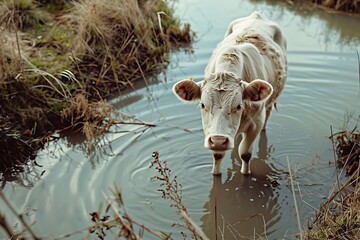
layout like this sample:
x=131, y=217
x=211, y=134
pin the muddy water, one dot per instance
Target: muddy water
x=322, y=88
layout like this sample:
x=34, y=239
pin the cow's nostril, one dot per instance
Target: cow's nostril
x=218, y=142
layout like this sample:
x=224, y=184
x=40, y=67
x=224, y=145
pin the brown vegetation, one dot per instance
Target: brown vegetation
x=339, y=216
x=58, y=63
x=348, y=6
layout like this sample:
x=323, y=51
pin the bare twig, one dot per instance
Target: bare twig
x=195, y=226
x=77, y=231
x=6, y=226
x=358, y=56
x=132, y=123
x=346, y=185
x=296, y=207
x=121, y=219
x=334, y=152
x=19, y=216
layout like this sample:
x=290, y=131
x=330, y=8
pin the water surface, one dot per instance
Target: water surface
x=322, y=88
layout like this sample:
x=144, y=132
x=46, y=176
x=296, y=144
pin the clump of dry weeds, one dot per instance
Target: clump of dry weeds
x=348, y=150
x=339, y=216
x=93, y=118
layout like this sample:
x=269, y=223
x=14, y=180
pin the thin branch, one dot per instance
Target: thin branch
x=147, y=229
x=121, y=218
x=132, y=123
x=194, y=225
x=296, y=207
x=357, y=52
x=6, y=226
x=19, y=216
x=334, y=152
x=78, y=231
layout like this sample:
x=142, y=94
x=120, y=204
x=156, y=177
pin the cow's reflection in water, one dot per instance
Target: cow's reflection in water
x=243, y=206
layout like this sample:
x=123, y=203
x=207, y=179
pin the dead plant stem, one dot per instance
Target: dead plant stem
x=194, y=225
x=133, y=123
x=337, y=180
x=17, y=39
x=296, y=207
x=6, y=226
x=19, y=216
x=348, y=183
x=142, y=226
x=334, y=152
x=141, y=72
x=121, y=219
x=358, y=56
x=77, y=231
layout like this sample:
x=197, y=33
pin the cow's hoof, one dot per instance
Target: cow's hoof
x=246, y=172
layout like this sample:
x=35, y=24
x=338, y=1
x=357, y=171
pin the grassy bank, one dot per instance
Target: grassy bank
x=59, y=60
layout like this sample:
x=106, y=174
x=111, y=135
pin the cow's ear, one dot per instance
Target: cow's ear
x=187, y=90
x=257, y=90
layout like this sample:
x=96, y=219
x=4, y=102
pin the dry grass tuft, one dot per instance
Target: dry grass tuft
x=21, y=13
x=339, y=216
x=10, y=59
x=118, y=41
x=348, y=150
x=98, y=23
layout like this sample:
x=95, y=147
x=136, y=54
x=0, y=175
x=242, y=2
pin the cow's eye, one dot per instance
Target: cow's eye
x=202, y=106
x=236, y=109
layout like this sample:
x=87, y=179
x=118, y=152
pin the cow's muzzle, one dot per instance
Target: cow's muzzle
x=219, y=143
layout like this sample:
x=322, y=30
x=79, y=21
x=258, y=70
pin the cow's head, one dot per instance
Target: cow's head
x=222, y=99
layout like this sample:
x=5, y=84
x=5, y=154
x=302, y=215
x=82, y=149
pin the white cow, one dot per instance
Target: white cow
x=243, y=80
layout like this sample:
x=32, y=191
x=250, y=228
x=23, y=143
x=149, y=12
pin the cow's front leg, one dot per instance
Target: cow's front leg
x=268, y=112
x=217, y=159
x=246, y=147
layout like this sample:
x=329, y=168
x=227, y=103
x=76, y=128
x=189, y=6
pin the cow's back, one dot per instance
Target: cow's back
x=259, y=23
x=259, y=48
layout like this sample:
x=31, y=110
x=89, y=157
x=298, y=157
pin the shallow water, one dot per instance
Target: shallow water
x=322, y=88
